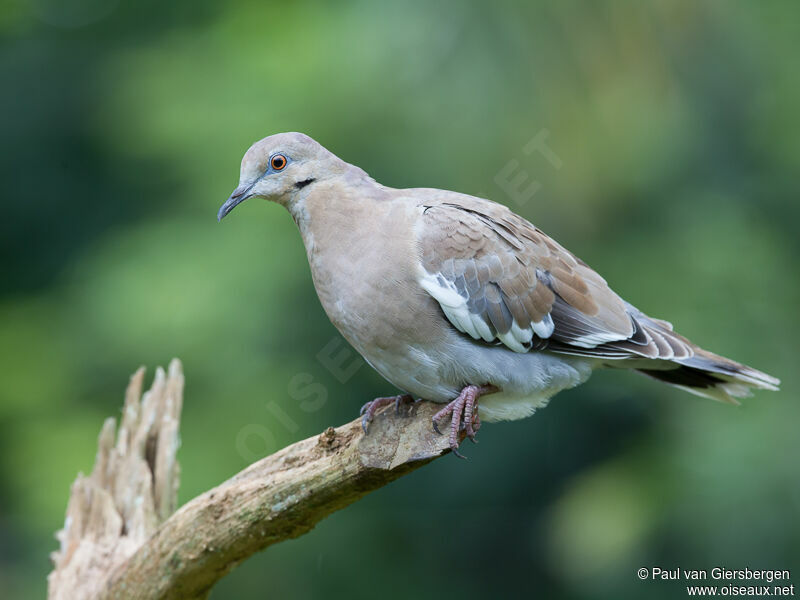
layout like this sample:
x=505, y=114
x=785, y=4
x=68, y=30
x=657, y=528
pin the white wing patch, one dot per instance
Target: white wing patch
x=544, y=328
x=455, y=308
x=457, y=311
x=595, y=339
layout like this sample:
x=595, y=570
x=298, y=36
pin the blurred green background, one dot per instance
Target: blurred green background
x=677, y=129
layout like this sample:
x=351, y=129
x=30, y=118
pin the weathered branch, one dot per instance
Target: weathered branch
x=132, y=489
x=277, y=498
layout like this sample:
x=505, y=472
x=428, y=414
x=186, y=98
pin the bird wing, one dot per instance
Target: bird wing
x=500, y=279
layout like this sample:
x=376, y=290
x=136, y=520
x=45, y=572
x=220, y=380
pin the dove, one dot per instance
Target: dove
x=458, y=300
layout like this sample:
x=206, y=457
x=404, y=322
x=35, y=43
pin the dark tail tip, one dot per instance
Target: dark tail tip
x=718, y=379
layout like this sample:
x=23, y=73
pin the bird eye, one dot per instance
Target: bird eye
x=277, y=162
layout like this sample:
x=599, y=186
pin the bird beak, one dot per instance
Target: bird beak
x=240, y=194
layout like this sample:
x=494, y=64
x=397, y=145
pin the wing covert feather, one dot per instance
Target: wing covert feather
x=499, y=277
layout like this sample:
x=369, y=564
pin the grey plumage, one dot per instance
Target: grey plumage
x=440, y=290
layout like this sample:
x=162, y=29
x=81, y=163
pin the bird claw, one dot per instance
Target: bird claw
x=458, y=454
x=369, y=409
x=463, y=412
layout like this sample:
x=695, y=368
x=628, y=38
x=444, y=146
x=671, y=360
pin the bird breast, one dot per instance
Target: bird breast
x=363, y=266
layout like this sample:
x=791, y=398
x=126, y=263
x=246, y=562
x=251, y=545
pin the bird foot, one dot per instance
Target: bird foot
x=463, y=413
x=370, y=408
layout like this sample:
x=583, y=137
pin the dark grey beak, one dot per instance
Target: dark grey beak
x=239, y=195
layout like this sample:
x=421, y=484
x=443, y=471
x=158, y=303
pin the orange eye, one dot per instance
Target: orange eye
x=277, y=162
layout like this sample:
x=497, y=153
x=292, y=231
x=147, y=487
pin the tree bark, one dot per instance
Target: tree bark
x=118, y=542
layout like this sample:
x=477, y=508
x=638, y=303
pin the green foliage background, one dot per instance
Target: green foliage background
x=123, y=124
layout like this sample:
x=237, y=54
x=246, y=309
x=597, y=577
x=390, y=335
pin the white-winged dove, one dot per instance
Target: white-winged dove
x=452, y=298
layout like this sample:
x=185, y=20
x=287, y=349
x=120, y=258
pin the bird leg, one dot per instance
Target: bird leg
x=463, y=413
x=370, y=408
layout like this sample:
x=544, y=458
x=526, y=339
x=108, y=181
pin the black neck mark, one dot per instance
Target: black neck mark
x=301, y=184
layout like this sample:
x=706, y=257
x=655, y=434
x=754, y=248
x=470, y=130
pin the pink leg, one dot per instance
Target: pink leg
x=370, y=408
x=464, y=407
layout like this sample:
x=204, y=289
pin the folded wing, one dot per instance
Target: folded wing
x=500, y=279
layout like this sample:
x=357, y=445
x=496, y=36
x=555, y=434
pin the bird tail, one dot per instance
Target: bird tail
x=657, y=351
x=682, y=363
x=712, y=376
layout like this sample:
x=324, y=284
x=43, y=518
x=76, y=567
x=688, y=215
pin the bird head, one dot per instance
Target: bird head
x=278, y=167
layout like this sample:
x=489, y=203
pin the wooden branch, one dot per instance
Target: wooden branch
x=277, y=498
x=132, y=489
